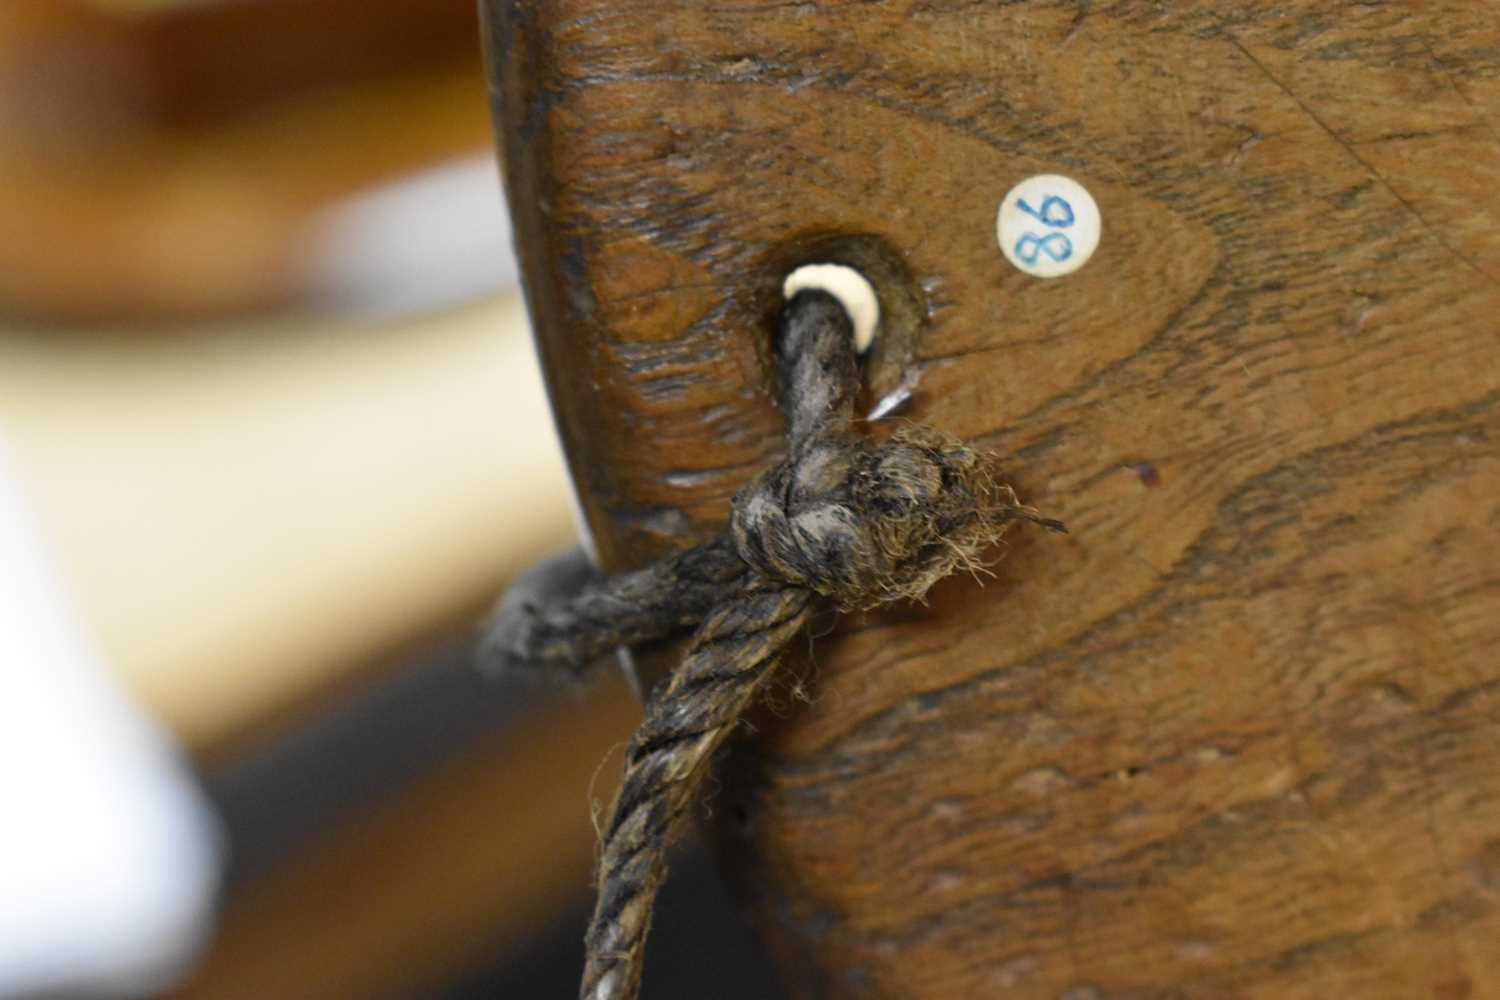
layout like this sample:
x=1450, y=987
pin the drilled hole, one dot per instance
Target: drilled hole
x=903, y=307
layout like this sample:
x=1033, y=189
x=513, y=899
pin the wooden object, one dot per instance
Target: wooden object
x=99, y=64
x=173, y=159
x=1236, y=735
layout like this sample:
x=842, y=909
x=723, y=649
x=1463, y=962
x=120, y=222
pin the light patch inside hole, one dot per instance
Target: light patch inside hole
x=852, y=289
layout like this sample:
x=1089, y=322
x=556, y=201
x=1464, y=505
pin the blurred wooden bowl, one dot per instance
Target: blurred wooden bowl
x=164, y=159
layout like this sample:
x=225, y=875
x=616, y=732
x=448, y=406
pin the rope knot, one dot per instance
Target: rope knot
x=854, y=521
x=864, y=524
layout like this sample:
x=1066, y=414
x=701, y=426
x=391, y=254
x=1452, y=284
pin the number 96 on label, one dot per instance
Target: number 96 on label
x=1048, y=225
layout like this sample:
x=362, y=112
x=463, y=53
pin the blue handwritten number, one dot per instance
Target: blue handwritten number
x=1055, y=212
x=1055, y=245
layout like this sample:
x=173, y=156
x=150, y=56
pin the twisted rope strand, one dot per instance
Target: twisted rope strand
x=562, y=617
x=843, y=519
x=732, y=655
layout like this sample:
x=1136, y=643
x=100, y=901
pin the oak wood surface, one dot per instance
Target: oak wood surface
x=1236, y=736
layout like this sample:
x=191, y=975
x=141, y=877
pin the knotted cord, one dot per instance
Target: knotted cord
x=841, y=518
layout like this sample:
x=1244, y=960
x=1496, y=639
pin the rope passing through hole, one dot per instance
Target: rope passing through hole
x=840, y=519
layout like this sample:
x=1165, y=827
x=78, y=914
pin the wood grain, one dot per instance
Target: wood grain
x=1235, y=736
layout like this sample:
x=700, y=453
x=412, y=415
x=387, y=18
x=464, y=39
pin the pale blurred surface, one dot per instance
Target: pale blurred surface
x=247, y=516
x=105, y=828
x=256, y=524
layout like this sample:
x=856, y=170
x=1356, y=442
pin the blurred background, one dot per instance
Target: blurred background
x=271, y=438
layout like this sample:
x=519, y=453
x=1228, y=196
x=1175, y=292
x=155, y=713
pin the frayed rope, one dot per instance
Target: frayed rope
x=842, y=519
